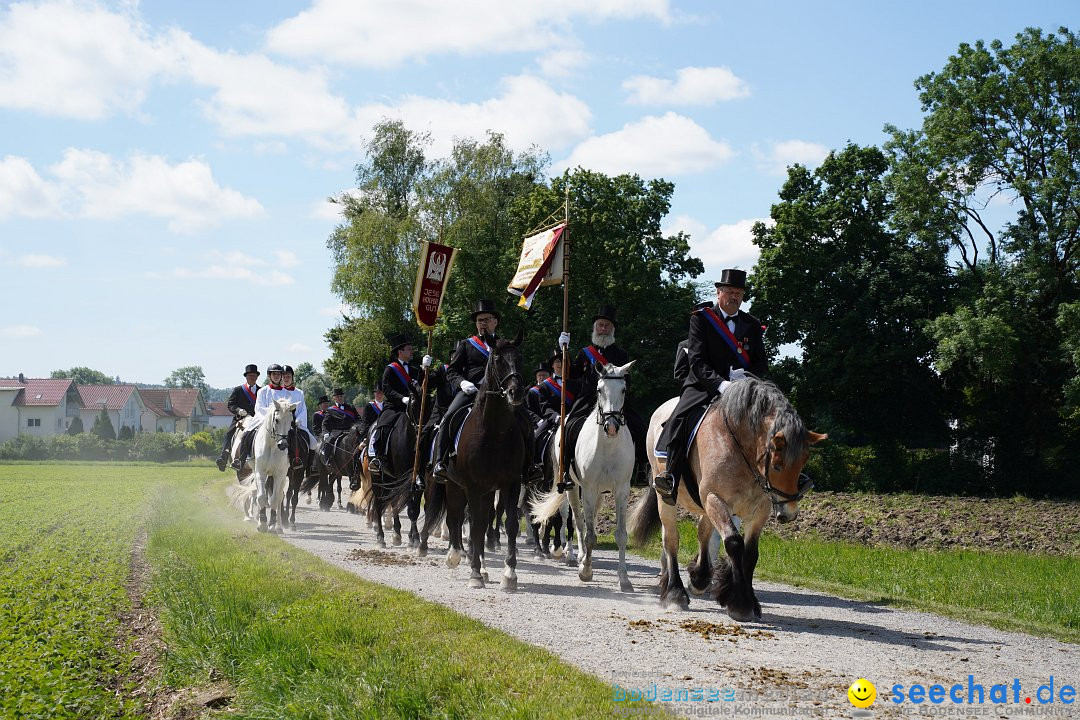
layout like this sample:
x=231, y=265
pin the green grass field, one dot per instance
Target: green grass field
x=1037, y=594
x=289, y=634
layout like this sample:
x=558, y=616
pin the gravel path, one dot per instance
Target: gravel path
x=797, y=662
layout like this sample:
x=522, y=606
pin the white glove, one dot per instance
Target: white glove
x=241, y=413
x=468, y=388
x=426, y=362
x=724, y=385
x=735, y=373
x=406, y=400
x=564, y=339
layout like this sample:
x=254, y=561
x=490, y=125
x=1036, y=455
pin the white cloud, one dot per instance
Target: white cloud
x=692, y=86
x=237, y=265
x=24, y=192
x=384, y=33
x=286, y=258
x=19, y=331
x=326, y=210
x=562, y=62
x=528, y=111
x=75, y=59
x=42, y=261
x=186, y=193
x=652, y=147
x=788, y=152
x=726, y=246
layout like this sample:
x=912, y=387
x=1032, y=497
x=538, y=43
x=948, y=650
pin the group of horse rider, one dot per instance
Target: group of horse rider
x=723, y=345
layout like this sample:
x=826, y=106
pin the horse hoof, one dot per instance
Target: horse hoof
x=740, y=615
x=453, y=559
x=381, y=544
x=509, y=584
x=570, y=562
x=422, y=551
x=698, y=591
x=557, y=553
x=413, y=543
x=585, y=574
x=676, y=599
x=476, y=583
x=263, y=527
x=490, y=546
x=484, y=574
x=397, y=540
x=626, y=586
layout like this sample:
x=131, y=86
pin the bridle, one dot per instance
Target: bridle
x=776, y=496
x=503, y=390
x=613, y=416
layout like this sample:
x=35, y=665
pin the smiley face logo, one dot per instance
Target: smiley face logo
x=862, y=693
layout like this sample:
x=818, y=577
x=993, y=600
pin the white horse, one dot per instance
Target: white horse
x=270, y=457
x=604, y=462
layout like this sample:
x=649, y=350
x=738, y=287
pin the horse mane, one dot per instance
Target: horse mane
x=751, y=402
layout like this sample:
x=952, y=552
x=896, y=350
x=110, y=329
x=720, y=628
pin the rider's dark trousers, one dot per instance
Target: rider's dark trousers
x=677, y=429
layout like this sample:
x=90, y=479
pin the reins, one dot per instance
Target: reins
x=805, y=483
x=616, y=416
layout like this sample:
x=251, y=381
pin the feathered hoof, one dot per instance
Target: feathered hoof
x=381, y=544
x=422, y=550
x=263, y=527
x=741, y=614
x=570, y=561
x=476, y=583
x=625, y=585
x=414, y=543
x=557, y=553
x=675, y=598
x=585, y=574
x=696, y=590
x=453, y=558
x=397, y=539
x=509, y=584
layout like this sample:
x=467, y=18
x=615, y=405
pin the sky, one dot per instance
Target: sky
x=164, y=167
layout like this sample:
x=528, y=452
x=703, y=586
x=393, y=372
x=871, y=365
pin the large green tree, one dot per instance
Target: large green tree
x=83, y=376
x=855, y=293
x=1002, y=123
x=191, y=376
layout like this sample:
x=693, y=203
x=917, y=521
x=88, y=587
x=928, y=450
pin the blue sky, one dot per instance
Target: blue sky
x=164, y=166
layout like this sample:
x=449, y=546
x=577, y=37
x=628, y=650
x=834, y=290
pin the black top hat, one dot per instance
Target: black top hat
x=484, y=306
x=607, y=312
x=541, y=367
x=251, y=369
x=399, y=341
x=378, y=386
x=556, y=354
x=732, y=278
x=323, y=399
x=337, y=391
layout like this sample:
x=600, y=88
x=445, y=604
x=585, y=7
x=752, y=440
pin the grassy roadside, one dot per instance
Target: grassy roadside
x=287, y=634
x=1037, y=594
x=297, y=637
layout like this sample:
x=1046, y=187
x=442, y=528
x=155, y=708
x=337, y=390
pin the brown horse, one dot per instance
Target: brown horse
x=746, y=460
x=490, y=455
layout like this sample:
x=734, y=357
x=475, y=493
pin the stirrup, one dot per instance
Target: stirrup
x=664, y=485
x=237, y=464
x=375, y=465
x=440, y=472
x=566, y=484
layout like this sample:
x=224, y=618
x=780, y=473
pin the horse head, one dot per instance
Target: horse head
x=503, y=372
x=611, y=396
x=782, y=442
x=281, y=418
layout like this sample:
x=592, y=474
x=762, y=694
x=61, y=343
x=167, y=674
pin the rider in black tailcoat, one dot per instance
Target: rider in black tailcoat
x=724, y=344
x=241, y=404
x=338, y=420
x=584, y=373
x=400, y=382
x=465, y=373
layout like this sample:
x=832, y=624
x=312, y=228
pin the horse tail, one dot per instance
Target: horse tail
x=397, y=493
x=644, y=519
x=545, y=505
x=239, y=494
x=309, y=483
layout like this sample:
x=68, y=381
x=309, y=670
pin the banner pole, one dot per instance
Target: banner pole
x=565, y=328
x=420, y=418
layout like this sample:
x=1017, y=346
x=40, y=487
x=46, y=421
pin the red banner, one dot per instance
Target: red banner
x=431, y=278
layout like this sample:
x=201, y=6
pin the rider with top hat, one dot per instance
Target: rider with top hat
x=584, y=373
x=400, y=382
x=241, y=404
x=724, y=345
x=318, y=415
x=465, y=372
x=340, y=417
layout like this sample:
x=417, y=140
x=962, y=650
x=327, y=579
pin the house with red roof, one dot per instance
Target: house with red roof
x=219, y=414
x=123, y=404
x=37, y=406
x=174, y=410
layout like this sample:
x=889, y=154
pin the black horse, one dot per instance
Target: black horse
x=490, y=456
x=345, y=456
x=395, y=487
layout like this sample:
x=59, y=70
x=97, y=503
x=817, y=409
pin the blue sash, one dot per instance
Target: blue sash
x=480, y=345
